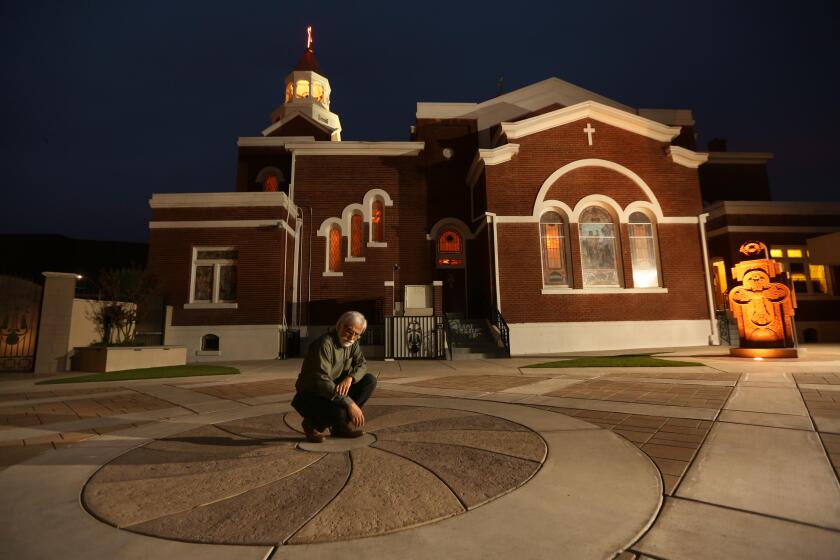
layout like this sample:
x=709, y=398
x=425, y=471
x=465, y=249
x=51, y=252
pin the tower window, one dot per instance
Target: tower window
x=290, y=92
x=302, y=89
x=318, y=91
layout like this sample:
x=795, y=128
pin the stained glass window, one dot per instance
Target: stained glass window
x=356, y=235
x=335, y=249
x=377, y=217
x=643, y=251
x=598, y=248
x=553, y=244
x=271, y=183
x=449, y=241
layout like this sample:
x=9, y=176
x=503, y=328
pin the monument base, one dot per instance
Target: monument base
x=765, y=352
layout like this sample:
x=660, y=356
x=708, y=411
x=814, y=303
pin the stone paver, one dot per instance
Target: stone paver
x=698, y=531
x=500, y=462
x=778, y=472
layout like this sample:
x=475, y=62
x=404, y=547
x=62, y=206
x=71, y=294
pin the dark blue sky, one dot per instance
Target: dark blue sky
x=106, y=102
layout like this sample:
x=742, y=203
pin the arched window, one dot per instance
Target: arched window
x=209, y=343
x=271, y=183
x=302, y=89
x=290, y=92
x=318, y=91
x=450, y=249
x=449, y=241
x=335, y=249
x=377, y=218
x=598, y=248
x=553, y=242
x=643, y=251
x=356, y=235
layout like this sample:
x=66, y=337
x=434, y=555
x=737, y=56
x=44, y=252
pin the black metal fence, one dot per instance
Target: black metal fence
x=20, y=310
x=414, y=337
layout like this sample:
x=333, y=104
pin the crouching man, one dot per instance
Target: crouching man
x=333, y=384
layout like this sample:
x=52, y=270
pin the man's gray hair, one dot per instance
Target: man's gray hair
x=351, y=318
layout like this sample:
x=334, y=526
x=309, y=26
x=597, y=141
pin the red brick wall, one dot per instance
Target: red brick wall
x=512, y=187
x=573, y=186
x=521, y=281
x=259, y=274
x=326, y=185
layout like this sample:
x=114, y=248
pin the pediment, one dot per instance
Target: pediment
x=590, y=110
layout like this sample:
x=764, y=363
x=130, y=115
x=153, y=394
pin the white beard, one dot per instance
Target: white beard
x=346, y=344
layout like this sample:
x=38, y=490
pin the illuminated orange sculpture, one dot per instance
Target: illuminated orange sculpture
x=763, y=308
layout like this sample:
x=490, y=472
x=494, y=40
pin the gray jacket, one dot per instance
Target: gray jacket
x=326, y=361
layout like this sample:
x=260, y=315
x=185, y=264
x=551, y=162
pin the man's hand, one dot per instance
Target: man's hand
x=344, y=387
x=356, y=415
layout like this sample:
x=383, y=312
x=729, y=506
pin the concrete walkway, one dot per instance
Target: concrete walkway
x=733, y=459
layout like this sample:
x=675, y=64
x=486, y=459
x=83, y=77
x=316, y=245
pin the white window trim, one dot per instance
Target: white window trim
x=214, y=303
x=377, y=244
x=206, y=305
x=354, y=259
x=331, y=273
x=551, y=290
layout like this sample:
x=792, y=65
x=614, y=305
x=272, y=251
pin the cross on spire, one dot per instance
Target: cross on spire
x=309, y=38
x=589, y=132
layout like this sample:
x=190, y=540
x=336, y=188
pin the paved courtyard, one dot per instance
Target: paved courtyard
x=467, y=459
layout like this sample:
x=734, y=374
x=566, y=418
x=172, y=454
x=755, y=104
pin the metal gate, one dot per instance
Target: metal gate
x=20, y=309
x=414, y=337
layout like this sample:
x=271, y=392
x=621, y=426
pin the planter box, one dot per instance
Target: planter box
x=118, y=358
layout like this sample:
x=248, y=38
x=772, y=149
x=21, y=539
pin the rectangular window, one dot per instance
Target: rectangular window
x=214, y=273
x=805, y=278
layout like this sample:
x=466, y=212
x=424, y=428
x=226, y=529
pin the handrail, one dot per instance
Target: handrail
x=500, y=323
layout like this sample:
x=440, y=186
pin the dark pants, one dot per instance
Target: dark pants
x=322, y=413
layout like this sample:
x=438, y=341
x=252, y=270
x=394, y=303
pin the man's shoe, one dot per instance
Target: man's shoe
x=312, y=435
x=347, y=430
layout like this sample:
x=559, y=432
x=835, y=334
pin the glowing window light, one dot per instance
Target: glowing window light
x=302, y=89
x=794, y=253
x=318, y=91
x=777, y=253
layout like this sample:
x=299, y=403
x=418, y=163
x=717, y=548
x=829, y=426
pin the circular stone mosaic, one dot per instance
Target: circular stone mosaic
x=249, y=481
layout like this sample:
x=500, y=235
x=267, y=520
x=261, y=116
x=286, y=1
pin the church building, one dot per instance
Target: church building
x=551, y=218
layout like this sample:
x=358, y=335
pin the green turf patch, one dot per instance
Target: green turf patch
x=145, y=373
x=631, y=360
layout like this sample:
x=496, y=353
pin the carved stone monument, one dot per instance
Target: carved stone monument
x=762, y=306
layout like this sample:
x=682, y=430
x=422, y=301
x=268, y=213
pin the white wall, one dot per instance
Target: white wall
x=554, y=338
x=82, y=328
x=236, y=342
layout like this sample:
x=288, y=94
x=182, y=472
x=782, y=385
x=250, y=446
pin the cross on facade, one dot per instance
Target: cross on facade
x=589, y=131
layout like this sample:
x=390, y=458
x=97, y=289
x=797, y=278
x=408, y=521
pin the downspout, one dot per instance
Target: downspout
x=491, y=218
x=714, y=336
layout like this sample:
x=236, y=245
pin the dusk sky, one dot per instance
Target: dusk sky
x=106, y=102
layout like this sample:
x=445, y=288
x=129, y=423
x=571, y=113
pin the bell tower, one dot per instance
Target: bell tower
x=306, y=104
